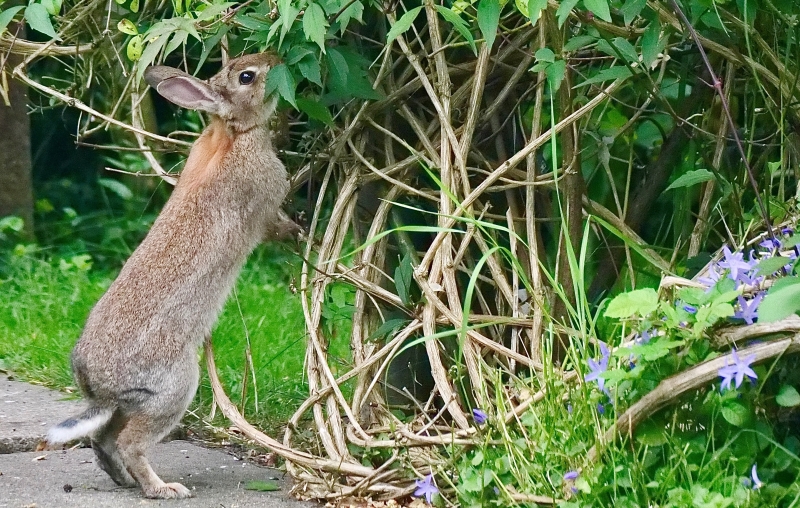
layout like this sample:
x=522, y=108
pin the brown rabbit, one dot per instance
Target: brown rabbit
x=137, y=359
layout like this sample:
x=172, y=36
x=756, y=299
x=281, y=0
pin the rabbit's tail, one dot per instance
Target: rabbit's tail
x=81, y=425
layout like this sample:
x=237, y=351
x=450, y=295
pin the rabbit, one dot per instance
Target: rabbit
x=136, y=361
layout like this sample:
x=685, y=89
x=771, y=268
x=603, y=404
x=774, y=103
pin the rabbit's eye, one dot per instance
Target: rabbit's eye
x=246, y=77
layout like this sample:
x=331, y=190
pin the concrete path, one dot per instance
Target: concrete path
x=66, y=479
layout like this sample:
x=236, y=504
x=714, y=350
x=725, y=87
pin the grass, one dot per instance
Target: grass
x=44, y=303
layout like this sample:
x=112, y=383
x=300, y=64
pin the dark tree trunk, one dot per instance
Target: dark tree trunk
x=16, y=186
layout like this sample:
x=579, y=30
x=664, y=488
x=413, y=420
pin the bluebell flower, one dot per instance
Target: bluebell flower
x=749, y=279
x=601, y=409
x=737, y=371
x=691, y=309
x=571, y=475
x=597, y=368
x=770, y=244
x=734, y=261
x=757, y=483
x=748, y=309
x=479, y=416
x=644, y=337
x=710, y=280
x=425, y=487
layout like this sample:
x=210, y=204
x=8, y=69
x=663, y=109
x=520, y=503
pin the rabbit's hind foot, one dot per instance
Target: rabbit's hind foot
x=167, y=491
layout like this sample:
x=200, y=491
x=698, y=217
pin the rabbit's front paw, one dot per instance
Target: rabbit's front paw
x=169, y=491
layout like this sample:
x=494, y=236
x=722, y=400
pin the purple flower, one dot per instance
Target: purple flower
x=425, y=487
x=569, y=408
x=757, y=483
x=479, y=416
x=598, y=368
x=737, y=371
x=691, y=309
x=749, y=308
x=787, y=231
x=571, y=475
x=713, y=276
x=770, y=244
x=601, y=409
x=644, y=337
x=748, y=279
x=734, y=261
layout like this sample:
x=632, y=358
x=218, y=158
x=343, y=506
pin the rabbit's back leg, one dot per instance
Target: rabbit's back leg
x=104, y=445
x=135, y=440
x=151, y=418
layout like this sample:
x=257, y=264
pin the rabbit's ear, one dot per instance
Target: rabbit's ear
x=183, y=89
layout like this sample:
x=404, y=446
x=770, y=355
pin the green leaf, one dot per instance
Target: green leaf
x=262, y=486
x=489, y=19
x=625, y=49
x=459, y=24
x=651, y=434
x=315, y=109
x=780, y=303
x=545, y=55
x=691, y=178
x=297, y=53
x=177, y=40
x=578, y=42
x=630, y=9
x=280, y=78
x=555, y=74
x=347, y=76
x=388, y=328
x=210, y=12
x=134, y=48
x=788, y=396
x=7, y=15
x=288, y=15
x=652, y=43
x=402, y=25
x=563, y=11
x=151, y=51
x=337, y=69
x=354, y=11
x=116, y=187
x=735, y=413
x=315, y=24
x=403, y=275
x=126, y=26
x=309, y=69
x=52, y=7
x=616, y=72
x=11, y=223
x=693, y=296
x=599, y=8
x=38, y=18
x=211, y=43
x=532, y=8
x=639, y=301
x=134, y=7
x=771, y=265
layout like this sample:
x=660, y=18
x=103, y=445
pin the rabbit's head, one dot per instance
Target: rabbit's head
x=235, y=94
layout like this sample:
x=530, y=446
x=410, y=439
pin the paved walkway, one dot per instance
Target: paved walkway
x=66, y=479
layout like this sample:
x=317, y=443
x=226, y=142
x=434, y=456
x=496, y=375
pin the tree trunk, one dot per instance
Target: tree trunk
x=16, y=186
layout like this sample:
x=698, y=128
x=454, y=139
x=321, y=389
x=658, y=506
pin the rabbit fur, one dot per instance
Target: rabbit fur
x=136, y=361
